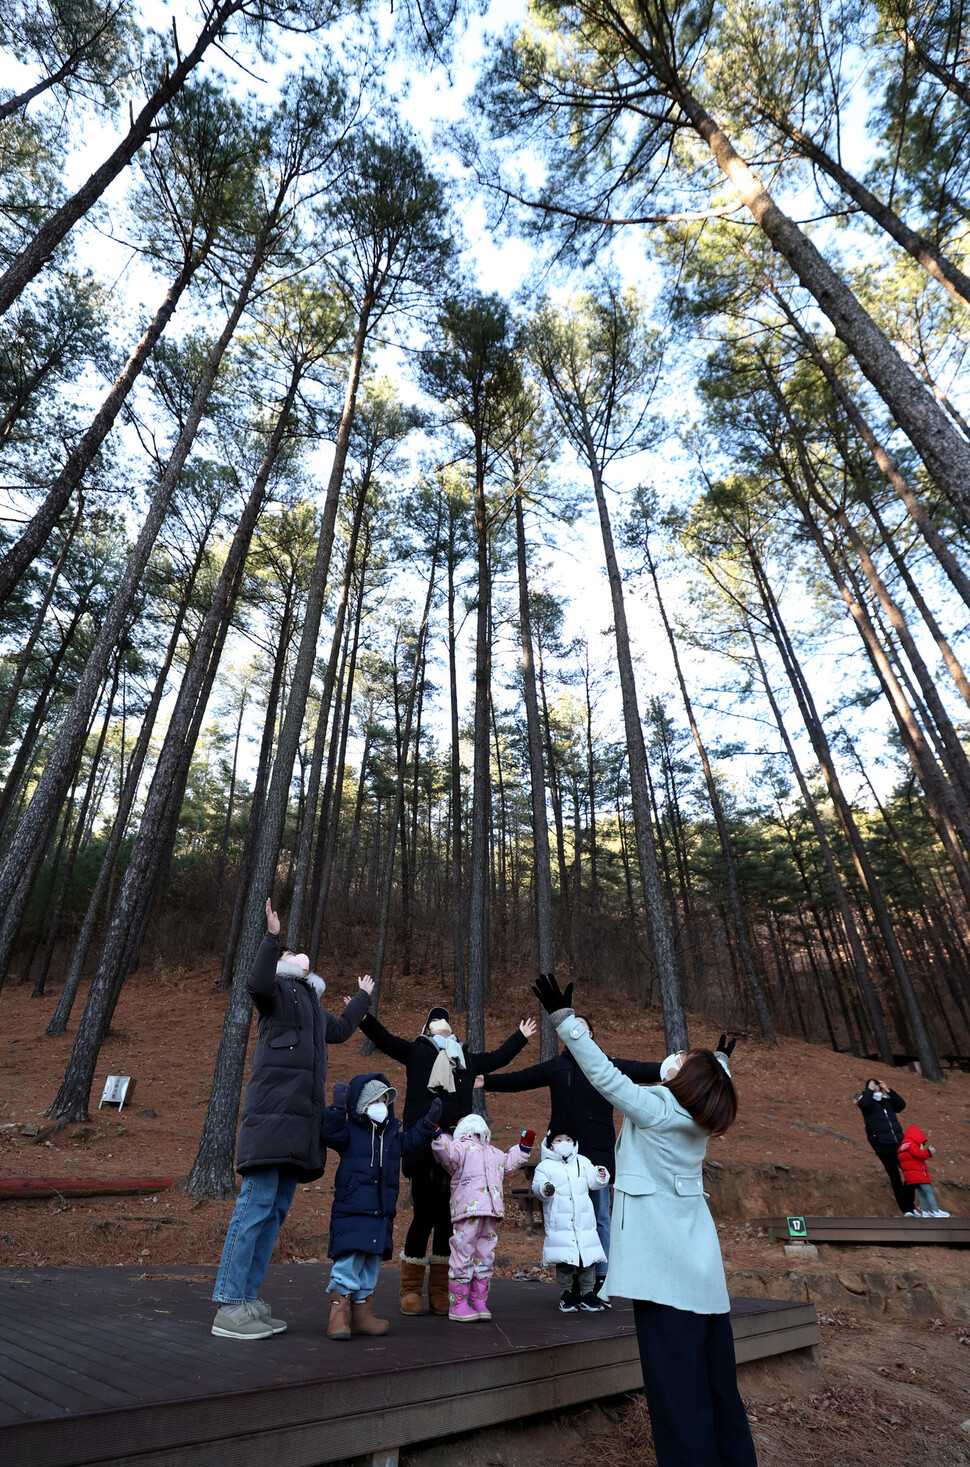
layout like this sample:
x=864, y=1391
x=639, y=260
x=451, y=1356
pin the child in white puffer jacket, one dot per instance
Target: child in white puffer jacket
x=563, y=1181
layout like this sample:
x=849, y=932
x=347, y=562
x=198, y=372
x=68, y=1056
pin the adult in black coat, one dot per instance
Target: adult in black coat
x=279, y=1139
x=436, y=1064
x=580, y=1111
x=880, y=1104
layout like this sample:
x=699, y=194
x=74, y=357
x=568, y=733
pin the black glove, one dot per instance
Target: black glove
x=550, y=995
x=434, y=1111
x=726, y=1046
x=340, y=1095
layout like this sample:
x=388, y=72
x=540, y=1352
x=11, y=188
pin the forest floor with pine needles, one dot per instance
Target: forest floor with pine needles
x=892, y=1381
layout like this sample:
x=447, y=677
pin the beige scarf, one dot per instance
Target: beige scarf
x=443, y=1070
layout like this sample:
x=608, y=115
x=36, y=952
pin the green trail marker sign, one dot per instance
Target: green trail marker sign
x=797, y=1228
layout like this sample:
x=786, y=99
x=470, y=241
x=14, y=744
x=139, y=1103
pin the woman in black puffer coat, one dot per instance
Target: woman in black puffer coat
x=880, y=1105
x=437, y=1066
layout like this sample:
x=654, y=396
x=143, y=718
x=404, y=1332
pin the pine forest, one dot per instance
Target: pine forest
x=495, y=479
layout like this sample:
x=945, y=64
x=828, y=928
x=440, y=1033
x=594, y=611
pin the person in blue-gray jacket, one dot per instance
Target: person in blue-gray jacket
x=664, y=1253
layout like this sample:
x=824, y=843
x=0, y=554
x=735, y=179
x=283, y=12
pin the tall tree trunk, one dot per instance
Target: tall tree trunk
x=212, y=1171
x=126, y=800
x=658, y=920
x=20, y=862
x=149, y=856
x=55, y=918
x=27, y=651
x=301, y=879
x=478, y=905
x=850, y=829
x=738, y=918
x=943, y=450
x=860, y=961
x=54, y=230
x=884, y=462
x=333, y=792
x=542, y=861
x=394, y=822
x=457, y=874
x=932, y=260
x=24, y=550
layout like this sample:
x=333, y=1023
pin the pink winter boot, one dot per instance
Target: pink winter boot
x=479, y=1298
x=458, y=1300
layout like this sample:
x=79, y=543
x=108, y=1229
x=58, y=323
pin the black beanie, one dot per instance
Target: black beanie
x=438, y=1013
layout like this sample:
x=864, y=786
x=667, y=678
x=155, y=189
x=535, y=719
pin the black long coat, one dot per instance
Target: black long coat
x=418, y=1057
x=284, y=1101
x=883, y=1131
x=576, y=1107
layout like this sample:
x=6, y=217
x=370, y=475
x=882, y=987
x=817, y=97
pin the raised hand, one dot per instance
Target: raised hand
x=366, y=984
x=528, y=1027
x=340, y=1094
x=272, y=920
x=527, y=1140
x=550, y=995
x=434, y=1110
x=726, y=1046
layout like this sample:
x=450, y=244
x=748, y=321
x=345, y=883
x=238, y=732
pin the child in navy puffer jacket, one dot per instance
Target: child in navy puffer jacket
x=361, y=1126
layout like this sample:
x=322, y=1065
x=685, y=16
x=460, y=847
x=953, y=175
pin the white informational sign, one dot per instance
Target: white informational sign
x=115, y=1089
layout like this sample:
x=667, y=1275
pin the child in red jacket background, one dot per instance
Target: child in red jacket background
x=913, y=1153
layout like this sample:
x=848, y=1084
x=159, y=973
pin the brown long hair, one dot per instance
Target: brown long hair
x=705, y=1090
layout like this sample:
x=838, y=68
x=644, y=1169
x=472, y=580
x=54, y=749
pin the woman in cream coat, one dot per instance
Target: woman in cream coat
x=665, y=1255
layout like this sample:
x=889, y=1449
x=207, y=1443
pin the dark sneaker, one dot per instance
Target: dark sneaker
x=240, y=1322
x=568, y=1302
x=592, y=1304
x=262, y=1311
x=598, y=1288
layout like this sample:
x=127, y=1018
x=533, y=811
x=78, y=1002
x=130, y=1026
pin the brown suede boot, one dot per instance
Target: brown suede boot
x=438, y=1285
x=363, y=1320
x=412, y=1284
x=339, y=1326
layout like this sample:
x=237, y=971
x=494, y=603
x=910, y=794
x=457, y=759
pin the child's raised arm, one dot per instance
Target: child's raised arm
x=519, y=1154
x=448, y=1151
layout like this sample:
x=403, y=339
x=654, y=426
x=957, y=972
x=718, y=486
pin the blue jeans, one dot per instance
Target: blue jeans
x=926, y=1197
x=601, y=1211
x=355, y=1274
x=263, y=1202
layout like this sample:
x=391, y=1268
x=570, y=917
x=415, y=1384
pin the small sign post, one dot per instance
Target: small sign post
x=797, y=1229
x=115, y=1091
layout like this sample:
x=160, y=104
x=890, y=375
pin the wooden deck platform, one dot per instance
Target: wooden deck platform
x=912, y=1231
x=117, y=1367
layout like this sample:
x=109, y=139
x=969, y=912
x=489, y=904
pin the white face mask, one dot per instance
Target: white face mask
x=877, y=1095
x=564, y=1149
x=377, y=1112
x=671, y=1065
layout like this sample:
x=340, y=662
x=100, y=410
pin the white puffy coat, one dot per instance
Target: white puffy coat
x=568, y=1215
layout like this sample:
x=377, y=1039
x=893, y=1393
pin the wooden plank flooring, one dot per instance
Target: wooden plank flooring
x=115, y=1367
x=953, y=1231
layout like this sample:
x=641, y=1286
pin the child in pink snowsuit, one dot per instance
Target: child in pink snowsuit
x=477, y=1171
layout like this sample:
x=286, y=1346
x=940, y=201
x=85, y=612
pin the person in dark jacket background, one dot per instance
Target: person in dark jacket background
x=361, y=1126
x=436, y=1064
x=279, y=1139
x=580, y=1111
x=880, y=1106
